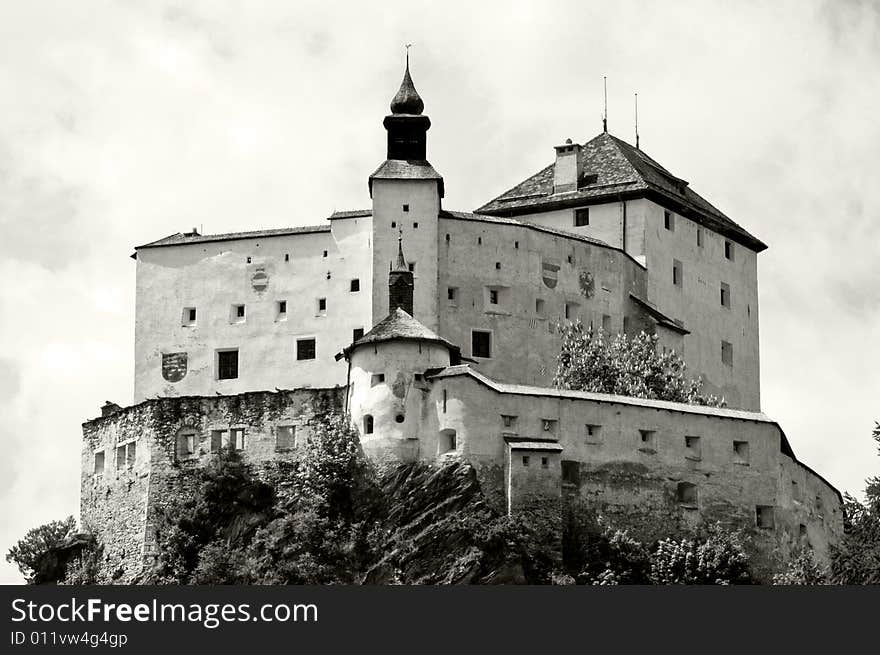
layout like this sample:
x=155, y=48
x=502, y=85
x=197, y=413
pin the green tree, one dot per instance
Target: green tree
x=626, y=366
x=34, y=554
x=856, y=558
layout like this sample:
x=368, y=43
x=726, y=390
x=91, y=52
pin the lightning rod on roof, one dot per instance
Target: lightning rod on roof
x=637, y=121
x=605, y=114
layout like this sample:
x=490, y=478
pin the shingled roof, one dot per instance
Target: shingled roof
x=179, y=238
x=400, y=326
x=613, y=169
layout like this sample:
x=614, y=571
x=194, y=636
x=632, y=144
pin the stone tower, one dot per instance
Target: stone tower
x=406, y=193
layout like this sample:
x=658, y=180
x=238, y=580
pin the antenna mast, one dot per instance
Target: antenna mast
x=637, y=121
x=605, y=115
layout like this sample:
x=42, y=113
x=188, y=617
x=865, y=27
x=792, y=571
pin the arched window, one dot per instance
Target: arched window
x=187, y=443
x=368, y=424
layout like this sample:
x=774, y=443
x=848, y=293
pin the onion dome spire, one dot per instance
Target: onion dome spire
x=407, y=99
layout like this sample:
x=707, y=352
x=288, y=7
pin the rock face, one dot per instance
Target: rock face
x=441, y=530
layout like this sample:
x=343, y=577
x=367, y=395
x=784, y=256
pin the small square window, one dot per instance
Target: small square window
x=582, y=217
x=393, y=224
x=355, y=285
x=669, y=220
x=545, y=462
x=549, y=425
x=497, y=266
x=481, y=343
x=325, y=253
x=509, y=420
x=728, y=250
x=227, y=364
x=237, y=315
x=356, y=334
x=593, y=433
x=741, y=452
x=727, y=353
x=406, y=208
x=647, y=440
x=285, y=437
x=725, y=295
x=416, y=225
x=412, y=267
x=189, y=316
x=377, y=378
x=305, y=349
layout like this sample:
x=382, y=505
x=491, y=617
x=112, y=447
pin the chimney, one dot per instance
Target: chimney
x=569, y=167
x=400, y=283
x=109, y=409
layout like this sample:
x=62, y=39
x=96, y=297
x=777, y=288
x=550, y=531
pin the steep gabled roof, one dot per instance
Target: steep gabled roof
x=614, y=169
x=406, y=169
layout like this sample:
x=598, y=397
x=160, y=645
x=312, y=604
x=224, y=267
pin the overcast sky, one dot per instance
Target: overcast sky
x=122, y=122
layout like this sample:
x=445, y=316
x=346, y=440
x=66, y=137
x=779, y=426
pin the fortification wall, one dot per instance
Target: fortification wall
x=171, y=437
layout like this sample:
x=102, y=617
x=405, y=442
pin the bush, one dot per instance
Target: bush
x=717, y=560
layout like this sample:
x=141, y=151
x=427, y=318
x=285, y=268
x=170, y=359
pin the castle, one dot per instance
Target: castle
x=434, y=330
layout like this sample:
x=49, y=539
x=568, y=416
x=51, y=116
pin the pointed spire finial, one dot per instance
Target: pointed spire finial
x=407, y=99
x=401, y=264
x=605, y=113
x=637, y=121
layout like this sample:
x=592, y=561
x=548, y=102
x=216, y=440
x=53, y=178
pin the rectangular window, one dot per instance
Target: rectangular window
x=130, y=453
x=593, y=433
x=120, y=457
x=218, y=440
x=189, y=316
x=725, y=295
x=728, y=249
x=412, y=267
x=764, y=516
x=549, y=425
x=539, y=306
x=355, y=285
x=444, y=401
x=581, y=217
x=305, y=349
x=677, y=274
x=606, y=324
x=727, y=353
x=570, y=310
x=647, y=440
x=237, y=439
x=525, y=460
x=416, y=225
x=509, y=420
x=545, y=462
x=285, y=437
x=377, y=378
x=282, y=310
x=227, y=364
x=481, y=343
x=451, y=293
x=356, y=334
x=686, y=493
x=99, y=462
x=493, y=296
x=699, y=237
x=322, y=305
x=571, y=472
x=692, y=447
x=406, y=208
x=669, y=220
x=741, y=452
x=236, y=315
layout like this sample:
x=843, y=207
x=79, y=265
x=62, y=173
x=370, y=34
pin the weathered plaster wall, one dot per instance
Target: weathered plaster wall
x=119, y=506
x=525, y=265
x=419, y=243
x=214, y=276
